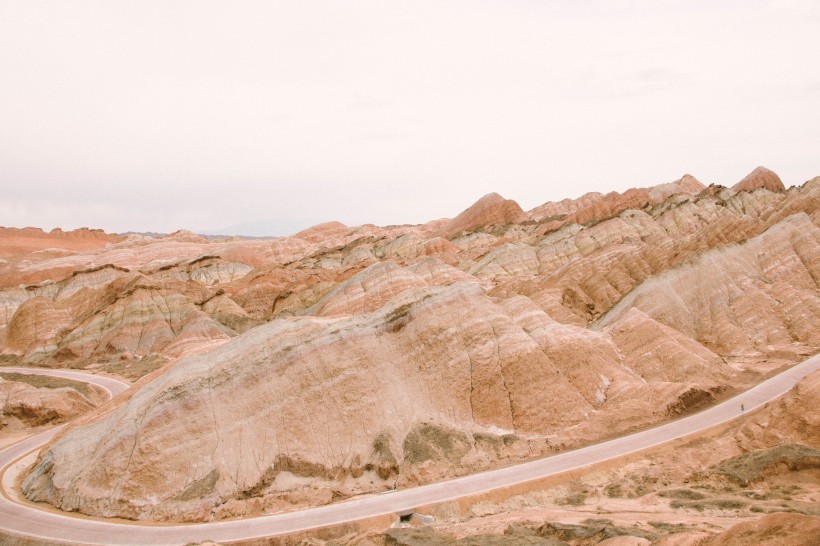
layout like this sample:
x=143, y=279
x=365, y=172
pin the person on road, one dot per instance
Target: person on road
x=742, y=408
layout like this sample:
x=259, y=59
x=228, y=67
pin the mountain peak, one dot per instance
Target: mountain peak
x=760, y=177
x=322, y=231
x=490, y=209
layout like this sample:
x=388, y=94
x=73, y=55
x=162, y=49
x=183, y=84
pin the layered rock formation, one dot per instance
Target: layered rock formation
x=348, y=360
x=18, y=242
x=761, y=294
x=30, y=401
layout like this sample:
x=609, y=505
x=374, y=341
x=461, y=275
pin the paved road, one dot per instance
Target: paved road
x=30, y=521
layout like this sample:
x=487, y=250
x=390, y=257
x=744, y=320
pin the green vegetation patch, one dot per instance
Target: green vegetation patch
x=199, y=488
x=614, y=491
x=495, y=441
x=671, y=528
x=427, y=442
x=398, y=317
x=706, y=504
x=46, y=382
x=381, y=446
x=133, y=369
x=425, y=536
x=685, y=494
x=573, y=499
x=383, y=460
x=10, y=360
x=591, y=533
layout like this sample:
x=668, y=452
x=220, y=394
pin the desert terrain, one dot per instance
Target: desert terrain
x=279, y=374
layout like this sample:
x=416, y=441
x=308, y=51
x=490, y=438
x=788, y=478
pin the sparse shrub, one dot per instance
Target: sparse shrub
x=614, y=491
x=46, y=381
x=574, y=499
x=669, y=527
x=398, y=318
x=685, y=494
x=728, y=504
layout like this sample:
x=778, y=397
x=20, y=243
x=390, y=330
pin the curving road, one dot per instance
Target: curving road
x=28, y=520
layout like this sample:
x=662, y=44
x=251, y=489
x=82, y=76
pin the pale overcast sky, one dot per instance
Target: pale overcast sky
x=160, y=115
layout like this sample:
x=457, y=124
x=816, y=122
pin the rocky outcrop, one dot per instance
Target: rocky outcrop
x=35, y=325
x=142, y=321
x=687, y=185
x=82, y=318
x=30, y=401
x=185, y=236
x=382, y=282
x=323, y=232
x=31, y=239
x=761, y=177
x=207, y=270
x=492, y=209
x=20, y=247
x=660, y=353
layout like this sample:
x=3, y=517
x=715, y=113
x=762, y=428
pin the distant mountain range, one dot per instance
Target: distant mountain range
x=261, y=228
